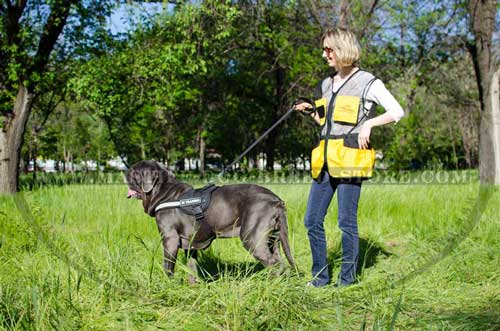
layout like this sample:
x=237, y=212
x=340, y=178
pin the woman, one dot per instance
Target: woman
x=345, y=112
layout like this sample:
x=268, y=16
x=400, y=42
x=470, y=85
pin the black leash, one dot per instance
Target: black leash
x=281, y=119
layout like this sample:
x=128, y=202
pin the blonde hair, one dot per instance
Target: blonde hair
x=345, y=45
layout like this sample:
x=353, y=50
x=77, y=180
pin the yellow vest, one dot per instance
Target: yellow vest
x=340, y=122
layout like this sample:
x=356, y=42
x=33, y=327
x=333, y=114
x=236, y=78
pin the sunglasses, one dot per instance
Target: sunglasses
x=327, y=50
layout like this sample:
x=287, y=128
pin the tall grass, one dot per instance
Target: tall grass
x=85, y=257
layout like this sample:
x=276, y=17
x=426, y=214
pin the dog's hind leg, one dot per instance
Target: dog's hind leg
x=262, y=253
x=192, y=265
x=259, y=245
x=274, y=246
x=256, y=232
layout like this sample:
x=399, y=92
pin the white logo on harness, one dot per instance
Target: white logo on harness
x=193, y=201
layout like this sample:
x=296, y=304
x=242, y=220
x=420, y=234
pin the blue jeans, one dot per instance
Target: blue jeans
x=321, y=194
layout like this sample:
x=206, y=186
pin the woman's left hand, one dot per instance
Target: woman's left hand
x=364, y=135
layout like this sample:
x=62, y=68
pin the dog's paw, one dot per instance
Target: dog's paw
x=193, y=280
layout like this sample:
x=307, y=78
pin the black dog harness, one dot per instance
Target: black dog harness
x=194, y=202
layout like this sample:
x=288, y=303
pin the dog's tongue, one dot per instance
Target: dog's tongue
x=131, y=193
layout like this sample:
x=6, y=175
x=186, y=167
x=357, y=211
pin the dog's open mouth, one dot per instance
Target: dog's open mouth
x=133, y=194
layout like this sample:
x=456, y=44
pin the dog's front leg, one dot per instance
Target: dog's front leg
x=170, y=249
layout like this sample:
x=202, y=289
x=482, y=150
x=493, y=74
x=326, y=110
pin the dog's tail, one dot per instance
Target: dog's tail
x=284, y=233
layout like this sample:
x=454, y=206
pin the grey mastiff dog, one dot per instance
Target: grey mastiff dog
x=252, y=212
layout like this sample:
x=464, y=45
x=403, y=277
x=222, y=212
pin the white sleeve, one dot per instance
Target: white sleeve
x=379, y=94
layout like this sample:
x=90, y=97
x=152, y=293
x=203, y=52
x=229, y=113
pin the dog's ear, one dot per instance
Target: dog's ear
x=165, y=174
x=170, y=175
x=149, y=179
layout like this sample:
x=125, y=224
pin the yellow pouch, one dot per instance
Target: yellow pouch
x=346, y=162
x=317, y=159
x=321, y=109
x=346, y=109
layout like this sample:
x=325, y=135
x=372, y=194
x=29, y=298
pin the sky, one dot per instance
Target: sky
x=124, y=18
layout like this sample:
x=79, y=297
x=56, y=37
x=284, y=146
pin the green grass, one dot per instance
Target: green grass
x=84, y=257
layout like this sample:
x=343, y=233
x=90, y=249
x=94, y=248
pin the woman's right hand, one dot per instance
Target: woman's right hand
x=303, y=106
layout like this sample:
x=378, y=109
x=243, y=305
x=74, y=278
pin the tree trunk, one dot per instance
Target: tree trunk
x=482, y=19
x=11, y=141
x=270, y=145
x=35, y=154
x=489, y=139
x=143, y=149
x=345, y=14
x=201, y=150
x=66, y=158
x=271, y=140
x=202, y=155
x=31, y=66
x=469, y=131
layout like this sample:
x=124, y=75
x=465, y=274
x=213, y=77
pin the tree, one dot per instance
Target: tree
x=157, y=90
x=28, y=35
x=213, y=75
x=418, y=52
x=277, y=58
x=482, y=24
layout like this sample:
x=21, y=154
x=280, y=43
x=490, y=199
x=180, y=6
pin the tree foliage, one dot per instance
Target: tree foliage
x=206, y=78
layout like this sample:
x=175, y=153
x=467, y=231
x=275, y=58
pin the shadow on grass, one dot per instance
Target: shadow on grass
x=212, y=267
x=369, y=251
x=477, y=319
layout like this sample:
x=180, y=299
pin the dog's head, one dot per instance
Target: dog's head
x=144, y=176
